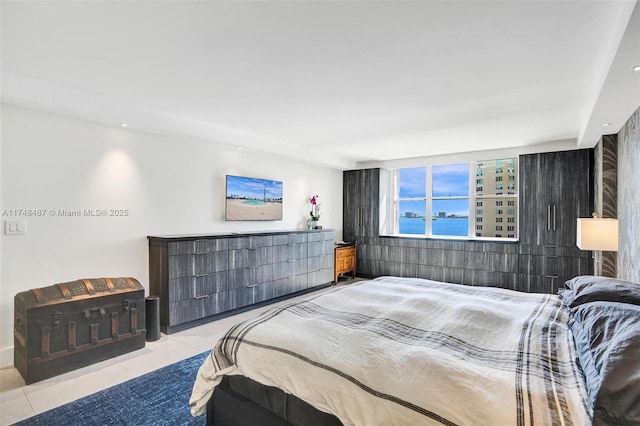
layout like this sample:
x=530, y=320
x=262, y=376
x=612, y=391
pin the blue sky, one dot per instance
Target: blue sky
x=448, y=180
x=412, y=182
x=252, y=187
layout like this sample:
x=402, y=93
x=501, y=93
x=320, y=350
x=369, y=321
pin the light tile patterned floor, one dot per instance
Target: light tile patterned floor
x=19, y=401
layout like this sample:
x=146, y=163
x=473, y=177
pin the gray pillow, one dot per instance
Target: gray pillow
x=607, y=337
x=589, y=288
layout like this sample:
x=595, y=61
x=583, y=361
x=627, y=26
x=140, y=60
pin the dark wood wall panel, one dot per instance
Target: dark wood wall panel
x=555, y=189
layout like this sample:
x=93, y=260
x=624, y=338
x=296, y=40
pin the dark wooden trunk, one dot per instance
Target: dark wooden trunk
x=70, y=325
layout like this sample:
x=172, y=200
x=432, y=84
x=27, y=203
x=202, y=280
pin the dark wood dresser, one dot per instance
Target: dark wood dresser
x=202, y=277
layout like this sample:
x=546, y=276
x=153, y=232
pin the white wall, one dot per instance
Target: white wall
x=169, y=184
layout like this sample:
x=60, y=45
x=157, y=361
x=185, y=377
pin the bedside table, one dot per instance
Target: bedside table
x=344, y=261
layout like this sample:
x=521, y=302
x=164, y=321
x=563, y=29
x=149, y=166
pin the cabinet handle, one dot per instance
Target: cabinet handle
x=554, y=217
x=252, y=286
x=292, y=260
x=201, y=275
x=201, y=297
x=549, y=217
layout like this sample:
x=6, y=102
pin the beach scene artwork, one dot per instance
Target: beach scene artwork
x=253, y=199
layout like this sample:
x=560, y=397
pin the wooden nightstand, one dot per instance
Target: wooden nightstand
x=345, y=261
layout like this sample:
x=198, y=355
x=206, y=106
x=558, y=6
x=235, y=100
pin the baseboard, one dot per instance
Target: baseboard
x=6, y=357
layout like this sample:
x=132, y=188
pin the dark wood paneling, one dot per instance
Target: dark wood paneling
x=360, y=204
x=541, y=261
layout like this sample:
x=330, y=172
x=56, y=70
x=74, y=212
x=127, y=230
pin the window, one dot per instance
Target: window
x=450, y=194
x=412, y=196
x=499, y=228
x=438, y=200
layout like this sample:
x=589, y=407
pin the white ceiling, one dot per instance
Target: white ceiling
x=333, y=81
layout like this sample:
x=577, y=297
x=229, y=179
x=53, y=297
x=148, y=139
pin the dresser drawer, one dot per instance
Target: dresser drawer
x=345, y=252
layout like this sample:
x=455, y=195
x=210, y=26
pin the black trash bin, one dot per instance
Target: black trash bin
x=152, y=306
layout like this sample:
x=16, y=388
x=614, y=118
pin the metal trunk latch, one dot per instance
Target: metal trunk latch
x=57, y=317
x=93, y=313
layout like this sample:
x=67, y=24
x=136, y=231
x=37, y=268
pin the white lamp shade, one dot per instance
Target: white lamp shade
x=597, y=234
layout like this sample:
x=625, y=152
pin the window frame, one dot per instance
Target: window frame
x=393, y=228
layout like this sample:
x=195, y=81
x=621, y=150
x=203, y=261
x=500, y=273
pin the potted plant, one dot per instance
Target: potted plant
x=314, y=213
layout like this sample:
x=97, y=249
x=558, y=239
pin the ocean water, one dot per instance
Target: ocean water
x=442, y=226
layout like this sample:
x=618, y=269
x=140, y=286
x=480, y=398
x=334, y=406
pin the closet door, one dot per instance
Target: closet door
x=370, y=196
x=573, y=194
x=361, y=194
x=555, y=189
x=351, y=203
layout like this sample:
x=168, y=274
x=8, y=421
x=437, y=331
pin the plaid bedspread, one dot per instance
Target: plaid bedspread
x=400, y=351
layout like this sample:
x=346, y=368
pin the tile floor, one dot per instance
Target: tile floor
x=19, y=401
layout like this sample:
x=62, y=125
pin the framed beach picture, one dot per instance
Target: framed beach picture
x=250, y=198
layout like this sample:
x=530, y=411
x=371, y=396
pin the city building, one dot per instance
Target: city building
x=497, y=198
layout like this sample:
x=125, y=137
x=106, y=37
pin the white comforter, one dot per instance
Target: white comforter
x=398, y=351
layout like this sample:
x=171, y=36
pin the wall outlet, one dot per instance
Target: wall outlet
x=15, y=227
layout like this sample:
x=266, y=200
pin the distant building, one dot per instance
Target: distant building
x=411, y=214
x=442, y=214
x=496, y=198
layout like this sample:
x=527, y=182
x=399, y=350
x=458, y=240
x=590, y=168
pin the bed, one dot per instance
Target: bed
x=402, y=351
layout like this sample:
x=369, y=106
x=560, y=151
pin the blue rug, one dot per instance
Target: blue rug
x=157, y=398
